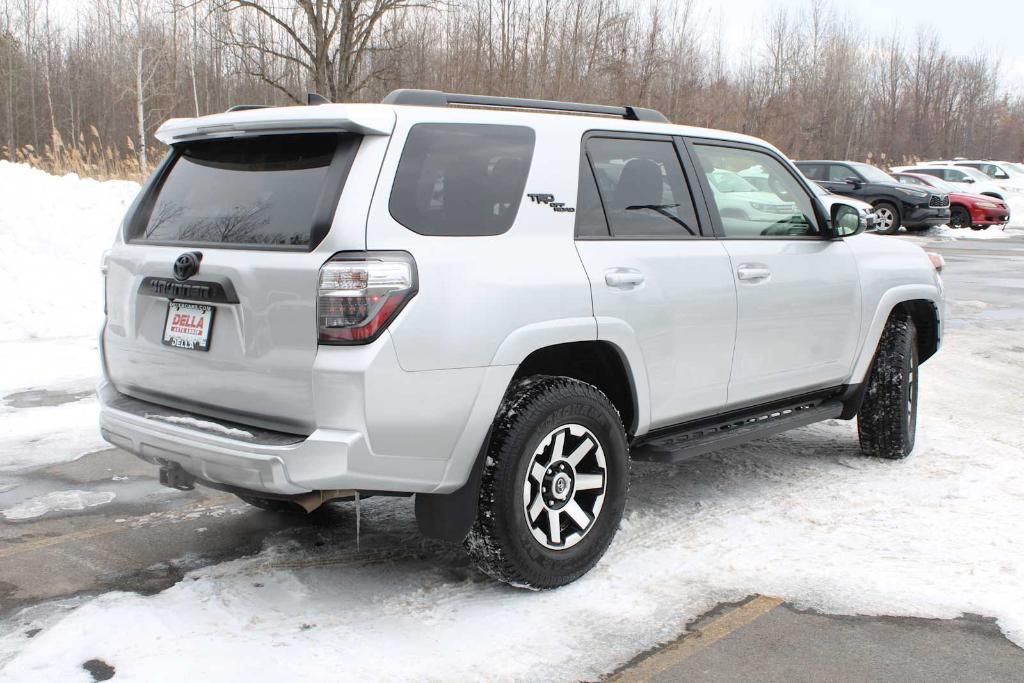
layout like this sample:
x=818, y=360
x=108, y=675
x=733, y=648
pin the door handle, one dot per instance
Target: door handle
x=752, y=271
x=623, y=278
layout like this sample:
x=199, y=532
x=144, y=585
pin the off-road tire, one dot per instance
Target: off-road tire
x=959, y=217
x=500, y=542
x=273, y=505
x=882, y=207
x=887, y=421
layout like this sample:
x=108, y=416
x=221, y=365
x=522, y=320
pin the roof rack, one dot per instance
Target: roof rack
x=246, y=107
x=312, y=99
x=436, y=98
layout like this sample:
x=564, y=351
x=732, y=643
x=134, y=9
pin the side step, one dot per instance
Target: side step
x=695, y=439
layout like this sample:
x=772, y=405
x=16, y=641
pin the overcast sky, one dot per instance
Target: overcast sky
x=964, y=26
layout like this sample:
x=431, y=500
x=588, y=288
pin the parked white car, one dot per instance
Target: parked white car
x=965, y=178
x=494, y=309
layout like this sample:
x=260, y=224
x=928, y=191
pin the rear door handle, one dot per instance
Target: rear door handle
x=623, y=278
x=753, y=271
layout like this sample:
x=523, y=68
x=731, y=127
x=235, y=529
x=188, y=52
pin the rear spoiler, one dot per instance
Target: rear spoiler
x=365, y=119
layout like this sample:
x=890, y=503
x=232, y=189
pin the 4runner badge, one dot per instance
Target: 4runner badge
x=549, y=199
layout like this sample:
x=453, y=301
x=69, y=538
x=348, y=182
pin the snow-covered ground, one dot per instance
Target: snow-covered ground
x=53, y=231
x=801, y=516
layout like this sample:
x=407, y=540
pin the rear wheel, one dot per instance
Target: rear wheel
x=959, y=217
x=887, y=422
x=887, y=218
x=554, y=484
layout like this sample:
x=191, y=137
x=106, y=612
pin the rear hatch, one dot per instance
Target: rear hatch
x=211, y=292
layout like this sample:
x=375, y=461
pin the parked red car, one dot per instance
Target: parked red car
x=975, y=211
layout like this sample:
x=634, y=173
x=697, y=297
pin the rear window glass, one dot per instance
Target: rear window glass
x=461, y=179
x=262, y=191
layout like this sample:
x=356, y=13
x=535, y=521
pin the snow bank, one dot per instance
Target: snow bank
x=801, y=516
x=54, y=231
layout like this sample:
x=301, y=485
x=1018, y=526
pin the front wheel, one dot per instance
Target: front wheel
x=959, y=217
x=554, y=484
x=887, y=423
x=887, y=218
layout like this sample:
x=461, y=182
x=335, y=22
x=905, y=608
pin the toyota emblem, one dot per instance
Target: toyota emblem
x=187, y=265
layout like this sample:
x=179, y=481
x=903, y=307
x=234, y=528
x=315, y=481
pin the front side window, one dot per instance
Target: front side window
x=840, y=174
x=872, y=174
x=459, y=179
x=643, y=188
x=956, y=176
x=779, y=207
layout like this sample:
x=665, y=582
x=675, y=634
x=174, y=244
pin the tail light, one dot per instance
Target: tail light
x=937, y=261
x=361, y=293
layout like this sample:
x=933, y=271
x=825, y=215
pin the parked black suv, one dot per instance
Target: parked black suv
x=895, y=204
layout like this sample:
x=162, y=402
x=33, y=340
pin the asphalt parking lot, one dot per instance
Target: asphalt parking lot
x=147, y=538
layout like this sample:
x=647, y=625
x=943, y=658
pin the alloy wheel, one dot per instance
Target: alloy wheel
x=565, y=486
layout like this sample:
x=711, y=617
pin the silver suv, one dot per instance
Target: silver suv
x=494, y=306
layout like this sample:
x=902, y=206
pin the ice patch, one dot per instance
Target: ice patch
x=200, y=424
x=57, y=501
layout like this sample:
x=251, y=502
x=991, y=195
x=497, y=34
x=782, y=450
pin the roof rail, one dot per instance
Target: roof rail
x=436, y=98
x=246, y=107
x=312, y=99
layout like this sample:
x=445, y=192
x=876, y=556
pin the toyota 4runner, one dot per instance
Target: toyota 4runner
x=495, y=307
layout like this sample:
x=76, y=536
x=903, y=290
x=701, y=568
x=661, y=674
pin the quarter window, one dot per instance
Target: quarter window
x=461, y=179
x=642, y=188
x=778, y=207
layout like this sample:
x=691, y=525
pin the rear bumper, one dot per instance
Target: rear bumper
x=379, y=428
x=262, y=462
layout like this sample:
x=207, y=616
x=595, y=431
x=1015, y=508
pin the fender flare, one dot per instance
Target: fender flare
x=449, y=511
x=888, y=301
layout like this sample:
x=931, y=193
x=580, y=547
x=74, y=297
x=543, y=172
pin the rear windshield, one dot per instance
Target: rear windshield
x=264, y=191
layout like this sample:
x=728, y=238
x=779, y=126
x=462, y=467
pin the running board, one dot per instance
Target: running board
x=692, y=440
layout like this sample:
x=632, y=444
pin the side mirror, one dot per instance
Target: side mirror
x=846, y=220
x=856, y=182
x=968, y=179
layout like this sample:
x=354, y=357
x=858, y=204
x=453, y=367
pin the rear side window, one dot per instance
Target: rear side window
x=269, y=191
x=461, y=179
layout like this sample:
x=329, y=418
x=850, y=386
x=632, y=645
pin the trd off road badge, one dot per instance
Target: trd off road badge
x=549, y=199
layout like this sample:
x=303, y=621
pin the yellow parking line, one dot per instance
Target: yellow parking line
x=691, y=643
x=85, y=534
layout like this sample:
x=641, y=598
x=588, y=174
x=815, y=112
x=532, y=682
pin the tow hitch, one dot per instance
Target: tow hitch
x=172, y=475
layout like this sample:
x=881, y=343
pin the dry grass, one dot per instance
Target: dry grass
x=87, y=156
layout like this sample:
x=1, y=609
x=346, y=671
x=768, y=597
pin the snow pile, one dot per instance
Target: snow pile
x=801, y=516
x=54, y=231
x=944, y=232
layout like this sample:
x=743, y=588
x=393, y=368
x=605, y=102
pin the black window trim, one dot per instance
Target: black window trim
x=686, y=165
x=323, y=214
x=821, y=221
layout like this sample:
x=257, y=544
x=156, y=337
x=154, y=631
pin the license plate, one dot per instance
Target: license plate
x=188, y=326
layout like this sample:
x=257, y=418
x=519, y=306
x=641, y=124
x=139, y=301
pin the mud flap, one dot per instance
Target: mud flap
x=450, y=516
